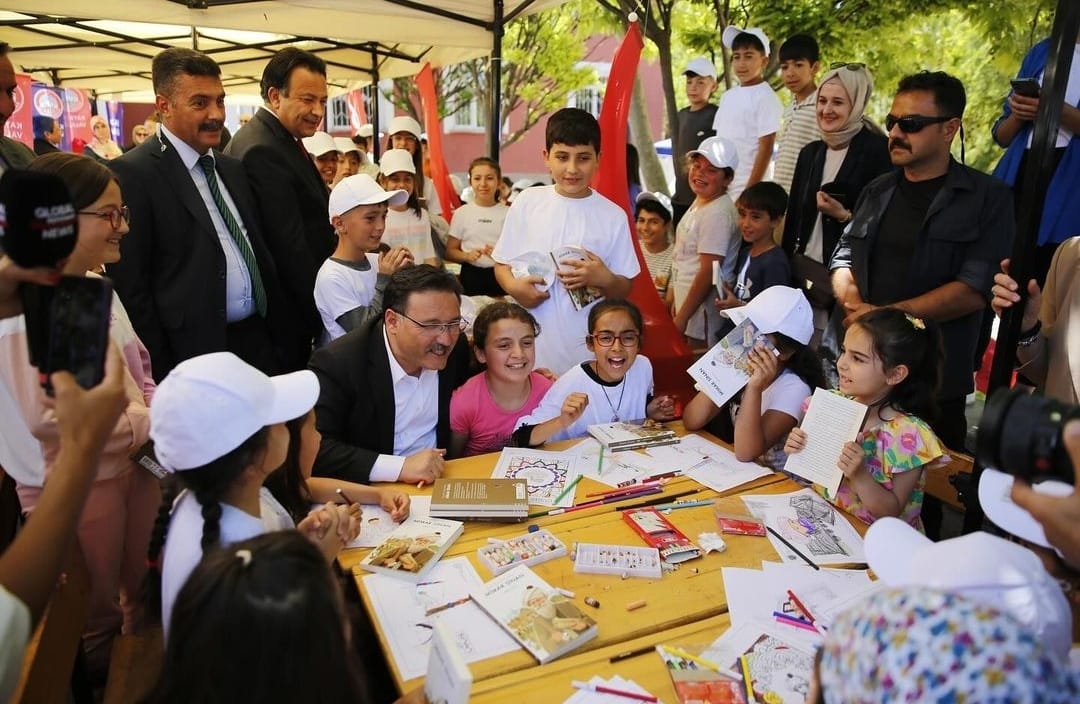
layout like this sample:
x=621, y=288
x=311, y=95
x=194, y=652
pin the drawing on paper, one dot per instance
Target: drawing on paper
x=779, y=673
x=812, y=526
x=547, y=473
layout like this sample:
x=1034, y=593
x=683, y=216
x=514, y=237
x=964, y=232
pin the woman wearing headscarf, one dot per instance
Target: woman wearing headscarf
x=829, y=176
x=101, y=147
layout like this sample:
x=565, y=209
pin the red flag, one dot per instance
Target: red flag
x=357, y=113
x=664, y=345
x=440, y=175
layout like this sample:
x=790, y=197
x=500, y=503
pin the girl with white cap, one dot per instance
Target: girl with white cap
x=219, y=425
x=405, y=133
x=407, y=224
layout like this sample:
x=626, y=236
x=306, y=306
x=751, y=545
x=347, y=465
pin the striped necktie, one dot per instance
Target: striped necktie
x=206, y=161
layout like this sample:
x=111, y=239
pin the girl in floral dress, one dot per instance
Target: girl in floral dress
x=891, y=362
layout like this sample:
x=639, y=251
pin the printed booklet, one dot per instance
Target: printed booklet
x=413, y=548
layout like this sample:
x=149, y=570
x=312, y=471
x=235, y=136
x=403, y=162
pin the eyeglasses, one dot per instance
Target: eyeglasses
x=116, y=217
x=454, y=327
x=910, y=124
x=607, y=339
x=851, y=66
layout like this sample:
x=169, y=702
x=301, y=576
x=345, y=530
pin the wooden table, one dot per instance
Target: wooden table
x=689, y=598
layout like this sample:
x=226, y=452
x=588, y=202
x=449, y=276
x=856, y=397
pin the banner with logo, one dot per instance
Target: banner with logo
x=49, y=102
x=20, y=125
x=76, y=116
x=663, y=344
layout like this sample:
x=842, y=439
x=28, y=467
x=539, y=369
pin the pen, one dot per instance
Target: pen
x=568, y=488
x=632, y=653
x=662, y=499
x=448, y=605
x=794, y=549
x=342, y=494
x=602, y=689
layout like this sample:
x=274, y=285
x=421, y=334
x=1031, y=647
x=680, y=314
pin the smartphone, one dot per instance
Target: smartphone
x=79, y=330
x=1027, y=87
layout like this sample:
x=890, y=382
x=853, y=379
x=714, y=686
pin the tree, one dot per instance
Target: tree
x=541, y=67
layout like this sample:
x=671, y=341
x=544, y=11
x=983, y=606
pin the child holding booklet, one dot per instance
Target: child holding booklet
x=891, y=362
x=484, y=411
x=615, y=386
x=771, y=403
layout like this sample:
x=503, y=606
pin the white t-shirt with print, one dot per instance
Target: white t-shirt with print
x=746, y=114
x=404, y=228
x=540, y=220
x=712, y=228
x=340, y=287
x=479, y=226
x=183, y=544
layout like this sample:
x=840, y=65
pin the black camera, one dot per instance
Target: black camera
x=1020, y=434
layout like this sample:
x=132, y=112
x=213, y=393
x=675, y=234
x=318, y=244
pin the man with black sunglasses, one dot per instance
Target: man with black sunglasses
x=927, y=237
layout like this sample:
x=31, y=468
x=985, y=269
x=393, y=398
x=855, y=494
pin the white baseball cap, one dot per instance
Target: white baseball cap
x=779, y=309
x=701, y=66
x=361, y=189
x=209, y=405
x=660, y=198
x=995, y=489
x=395, y=160
x=404, y=123
x=366, y=130
x=731, y=31
x=980, y=566
x=718, y=151
x=319, y=143
x=346, y=145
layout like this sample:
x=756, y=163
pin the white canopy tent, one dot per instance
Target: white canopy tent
x=107, y=46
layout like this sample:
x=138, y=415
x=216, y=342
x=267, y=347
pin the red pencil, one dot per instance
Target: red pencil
x=611, y=690
x=802, y=607
x=623, y=490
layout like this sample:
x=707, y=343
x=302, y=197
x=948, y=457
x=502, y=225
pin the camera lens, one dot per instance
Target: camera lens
x=1020, y=434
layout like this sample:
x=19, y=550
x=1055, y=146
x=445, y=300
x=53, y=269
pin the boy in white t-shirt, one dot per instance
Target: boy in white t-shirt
x=543, y=219
x=749, y=113
x=350, y=284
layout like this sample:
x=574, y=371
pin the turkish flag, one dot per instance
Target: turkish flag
x=663, y=344
x=357, y=112
x=440, y=175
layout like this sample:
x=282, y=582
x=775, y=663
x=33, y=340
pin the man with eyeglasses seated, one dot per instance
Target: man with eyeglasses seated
x=385, y=387
x=927, y=237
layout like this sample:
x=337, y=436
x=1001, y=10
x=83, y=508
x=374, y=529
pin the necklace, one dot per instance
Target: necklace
x=615, y=408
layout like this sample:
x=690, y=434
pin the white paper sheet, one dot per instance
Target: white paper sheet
x=583, y=696
x=709, y=464
x=811, y=524
x=618, y=467
x=547, y=473
x=400, y=609
x=376, y=523
x=831, y=420
x=781, y=668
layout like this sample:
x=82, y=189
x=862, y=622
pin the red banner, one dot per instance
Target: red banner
x=354, y=101
x=664, y=345
x=77, y=116
x=440, y=175
x=20, y=125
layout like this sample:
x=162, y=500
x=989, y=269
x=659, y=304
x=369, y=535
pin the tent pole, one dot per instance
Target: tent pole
x=195, y=38
x=495, y=82
x=376, y=148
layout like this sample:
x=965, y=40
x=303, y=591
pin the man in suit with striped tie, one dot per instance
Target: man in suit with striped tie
x=195, y=274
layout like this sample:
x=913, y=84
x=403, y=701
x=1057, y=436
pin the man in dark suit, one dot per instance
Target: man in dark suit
x=48, y=132
x=195, y=275
x=291, y=195
x=13, y=154
x=384, y=399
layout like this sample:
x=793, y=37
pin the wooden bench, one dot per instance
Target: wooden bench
x=937, y=480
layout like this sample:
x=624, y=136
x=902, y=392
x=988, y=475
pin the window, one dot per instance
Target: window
x=588, y=99
x=337, y=115
x=471, y=117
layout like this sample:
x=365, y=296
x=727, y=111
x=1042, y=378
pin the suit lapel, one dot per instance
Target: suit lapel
x=179, y=179
x=380, y=387
x=303, y=165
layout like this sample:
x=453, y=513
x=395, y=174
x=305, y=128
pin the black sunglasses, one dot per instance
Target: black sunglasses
x=910, y=124
x=850, y=65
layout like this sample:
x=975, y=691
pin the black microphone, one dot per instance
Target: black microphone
x=38, y=228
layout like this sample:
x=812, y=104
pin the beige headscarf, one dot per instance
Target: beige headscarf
x=859, y=85
x=106, y=149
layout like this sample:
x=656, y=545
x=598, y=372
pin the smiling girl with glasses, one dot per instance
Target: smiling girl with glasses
x=615, y=386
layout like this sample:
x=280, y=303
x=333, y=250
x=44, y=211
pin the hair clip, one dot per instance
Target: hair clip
x=245, y=557
x=916, y=323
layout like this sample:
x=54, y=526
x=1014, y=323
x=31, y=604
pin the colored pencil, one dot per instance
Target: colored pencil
x=662, y=499
x=794, y=549
x=643, y=491
x=802, y=607
x=602, y=689
x=674, y=505
x=632, y=653
x=744, y=663
x=567, y=489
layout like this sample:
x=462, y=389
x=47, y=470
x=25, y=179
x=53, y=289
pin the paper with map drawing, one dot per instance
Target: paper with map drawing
x=376, y=523
x=707, y=463
x=811, y=524
x=401, y=611
x=547, y=473
x=780, y=669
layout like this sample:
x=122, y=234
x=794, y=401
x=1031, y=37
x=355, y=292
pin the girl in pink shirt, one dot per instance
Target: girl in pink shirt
x=485, y=410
